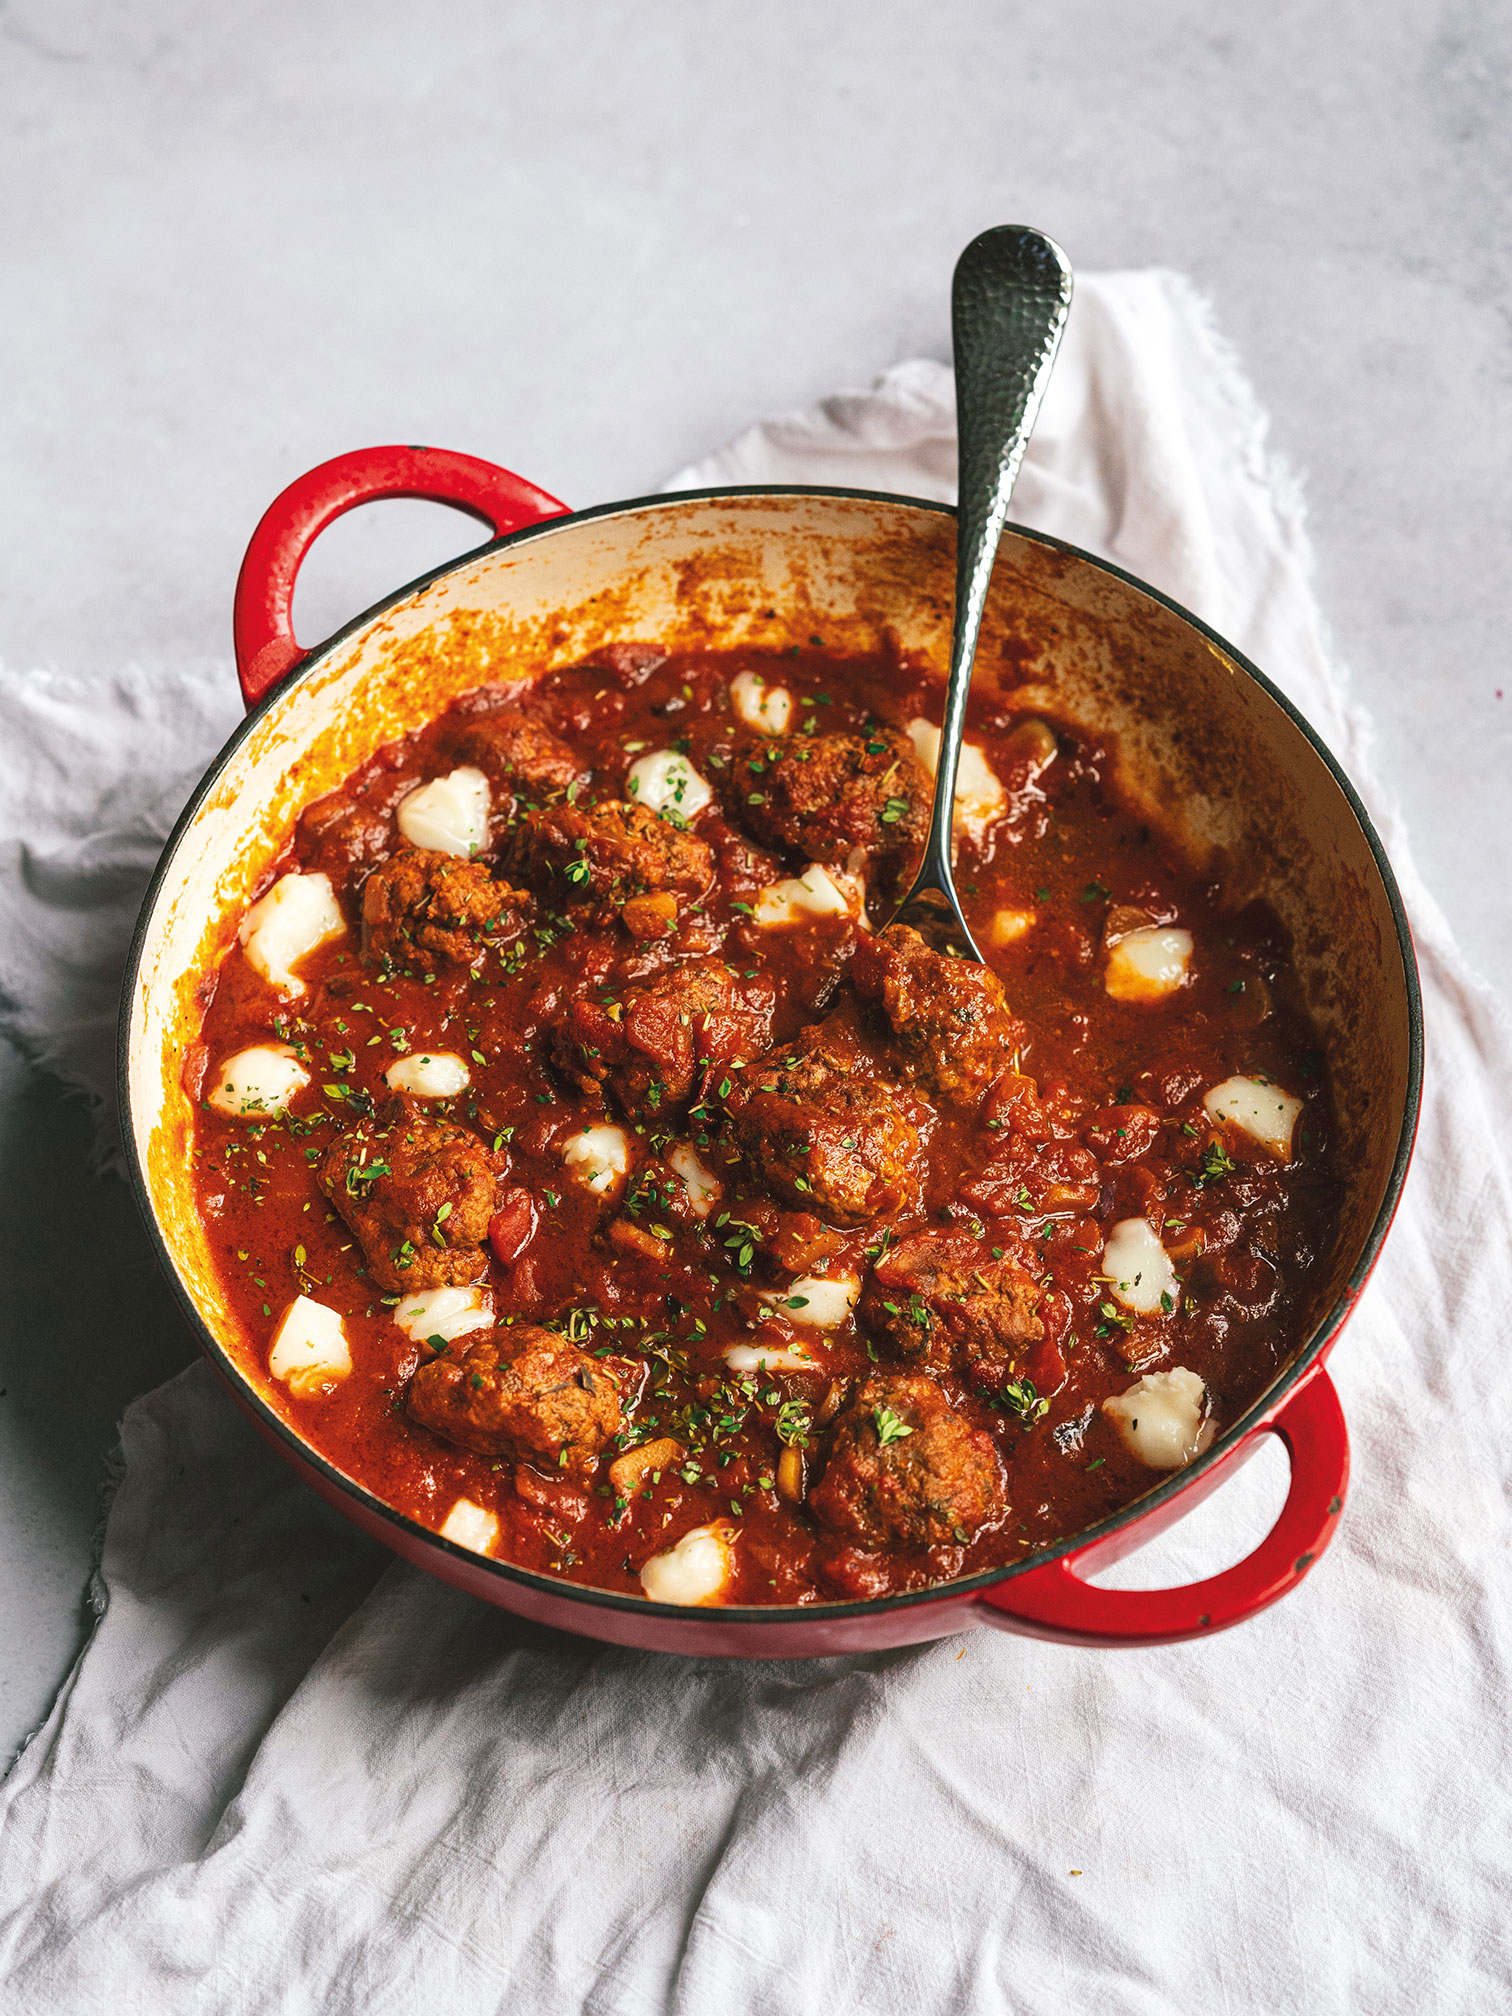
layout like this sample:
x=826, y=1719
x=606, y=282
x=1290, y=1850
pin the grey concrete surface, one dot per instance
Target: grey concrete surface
x=592, y=240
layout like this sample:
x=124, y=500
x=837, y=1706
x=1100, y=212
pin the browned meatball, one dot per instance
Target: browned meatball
x=954, y=1031
x=521, y=1392
x=822, y=795
x=424, y=909
x=343, y=834
x=597, y=858
x=419, y=1195
x=906, y=1470
x=941, y=1295
x=516, y=754
x=825, y=1134
x=649, y=1043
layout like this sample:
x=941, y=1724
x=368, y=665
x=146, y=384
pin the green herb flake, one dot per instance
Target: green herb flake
x=1020, y=1397
x=891, y=1427
x=793, y=1424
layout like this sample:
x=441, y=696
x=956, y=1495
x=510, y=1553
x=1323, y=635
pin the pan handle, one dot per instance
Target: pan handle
x=263, y=614
x=1055, y=1602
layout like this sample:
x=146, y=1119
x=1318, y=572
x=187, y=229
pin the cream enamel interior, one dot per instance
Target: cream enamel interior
x=1209, y=751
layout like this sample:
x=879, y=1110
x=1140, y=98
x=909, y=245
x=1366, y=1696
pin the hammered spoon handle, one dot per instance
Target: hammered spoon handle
x=1009, y=300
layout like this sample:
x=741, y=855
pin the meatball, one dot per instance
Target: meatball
x=524, y=1393
x=602, y=859
x=906, y=1470
x=419, y=1195
x=826, y=1135
x=345, y=833
x=650, y=1043
x=954, y=1030
x=516, y=754
x=941, y=1295
x=822, y=795
x=424, y=909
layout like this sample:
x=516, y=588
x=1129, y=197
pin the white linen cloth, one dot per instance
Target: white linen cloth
x=288, y=1776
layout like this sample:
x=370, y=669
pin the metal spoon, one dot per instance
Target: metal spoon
x=1009, y=300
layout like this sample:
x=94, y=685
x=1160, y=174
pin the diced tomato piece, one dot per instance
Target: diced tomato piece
x=1047, y=1361
x=512, y=1226
x=196, y=1064
x=1047, y=1368
x=1120, y=1133
x=1014, y=1102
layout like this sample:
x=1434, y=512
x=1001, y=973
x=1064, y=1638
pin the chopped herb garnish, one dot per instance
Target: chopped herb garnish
x=793, y=1424
x=1020, y=1397
x=891, y=1427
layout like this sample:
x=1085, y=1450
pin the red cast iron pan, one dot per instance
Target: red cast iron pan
x=1217, y=750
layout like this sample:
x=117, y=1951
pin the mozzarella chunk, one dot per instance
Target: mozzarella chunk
x=259, y=1082
x=430, y=1074
x=1148, y=964
x=309, y=1348
x=667, y=782
x=1264, y=1112
x=701, y=1184
x=1161, y=1418
x=442, y=1312
x=765, y=708
x=298, y=914
x=823, y=1300
x=697, y=1570
x=470, y=1526
x=768, y=1358
x=598, y=1156
x=1008, y=926
x=450, y=814
x=815, y=893
x=979, y=796
x=1138, y=1269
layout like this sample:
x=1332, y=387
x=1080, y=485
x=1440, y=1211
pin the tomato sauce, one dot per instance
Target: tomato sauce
x=1092, y=1118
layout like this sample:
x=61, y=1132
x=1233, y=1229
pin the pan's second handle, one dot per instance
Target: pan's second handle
x=1055, y=1602
x=263, y=618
